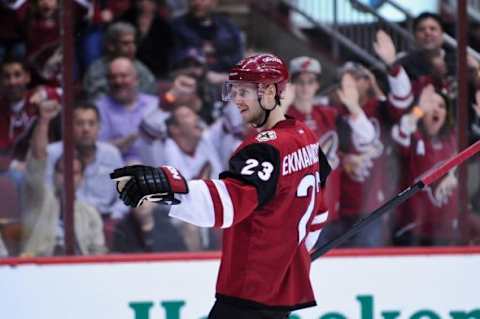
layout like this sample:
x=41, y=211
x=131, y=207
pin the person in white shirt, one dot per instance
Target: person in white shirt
x=180, y=139
x=98, y=157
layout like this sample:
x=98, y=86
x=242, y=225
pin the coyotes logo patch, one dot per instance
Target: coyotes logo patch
x=266, y=136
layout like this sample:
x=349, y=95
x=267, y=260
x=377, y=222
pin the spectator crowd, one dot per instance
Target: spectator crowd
x=148, y=83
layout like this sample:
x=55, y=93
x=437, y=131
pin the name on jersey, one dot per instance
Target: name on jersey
x=300, y=159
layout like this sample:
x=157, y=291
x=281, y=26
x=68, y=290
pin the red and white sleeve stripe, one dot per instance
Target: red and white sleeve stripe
x=215, y=203
x=401, y=94
x=315, y=230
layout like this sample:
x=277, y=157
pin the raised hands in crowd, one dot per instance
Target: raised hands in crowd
x=426, y=102
x=358, y=166
x=349, y=95
x=446, y=187
x=385, y=48
x=184, y=92
x=49, y=109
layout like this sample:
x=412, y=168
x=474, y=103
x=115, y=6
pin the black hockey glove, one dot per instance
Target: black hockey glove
x=137, y=183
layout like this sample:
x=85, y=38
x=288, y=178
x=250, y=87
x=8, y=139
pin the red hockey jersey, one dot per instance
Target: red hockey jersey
x=322, y=121
x=16, y=124
x=270, y=202
x=433, y=213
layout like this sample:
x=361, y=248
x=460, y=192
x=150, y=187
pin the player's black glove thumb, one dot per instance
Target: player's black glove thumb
x=137, y=183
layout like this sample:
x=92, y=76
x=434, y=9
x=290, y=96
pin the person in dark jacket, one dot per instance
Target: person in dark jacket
x=214, y=34
x=147, y=229
x=154, y=35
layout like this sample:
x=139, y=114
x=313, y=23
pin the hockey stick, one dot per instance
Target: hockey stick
x=424, y=180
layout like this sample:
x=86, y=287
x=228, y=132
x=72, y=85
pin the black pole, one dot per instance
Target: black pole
x=67, y=121
x=462, y=103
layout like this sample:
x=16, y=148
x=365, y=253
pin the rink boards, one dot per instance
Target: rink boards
x=353, y=284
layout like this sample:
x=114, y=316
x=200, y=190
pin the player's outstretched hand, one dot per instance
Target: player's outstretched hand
x=138, y=183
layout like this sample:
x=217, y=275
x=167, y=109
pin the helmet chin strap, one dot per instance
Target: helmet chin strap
x=265, y=117
x=267, y=111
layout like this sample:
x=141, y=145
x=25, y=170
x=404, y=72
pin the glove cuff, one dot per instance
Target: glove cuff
x=175, y=179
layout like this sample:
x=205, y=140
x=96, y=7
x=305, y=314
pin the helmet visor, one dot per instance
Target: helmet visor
x=234, y=90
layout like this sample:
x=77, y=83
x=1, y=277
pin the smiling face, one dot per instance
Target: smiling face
x=306, y=85
x=123, y=81
x=245, y=97
x=435, y=119
x=14, y=80
x=187, y=124
x=429, y=34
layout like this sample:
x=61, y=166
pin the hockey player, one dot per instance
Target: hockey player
x=269, y=201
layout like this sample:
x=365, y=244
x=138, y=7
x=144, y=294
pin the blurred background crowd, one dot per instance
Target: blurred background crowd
x=380, y=92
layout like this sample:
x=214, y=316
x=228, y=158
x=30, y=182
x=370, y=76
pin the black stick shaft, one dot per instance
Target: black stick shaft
x=425, y=180
x=362, y=223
